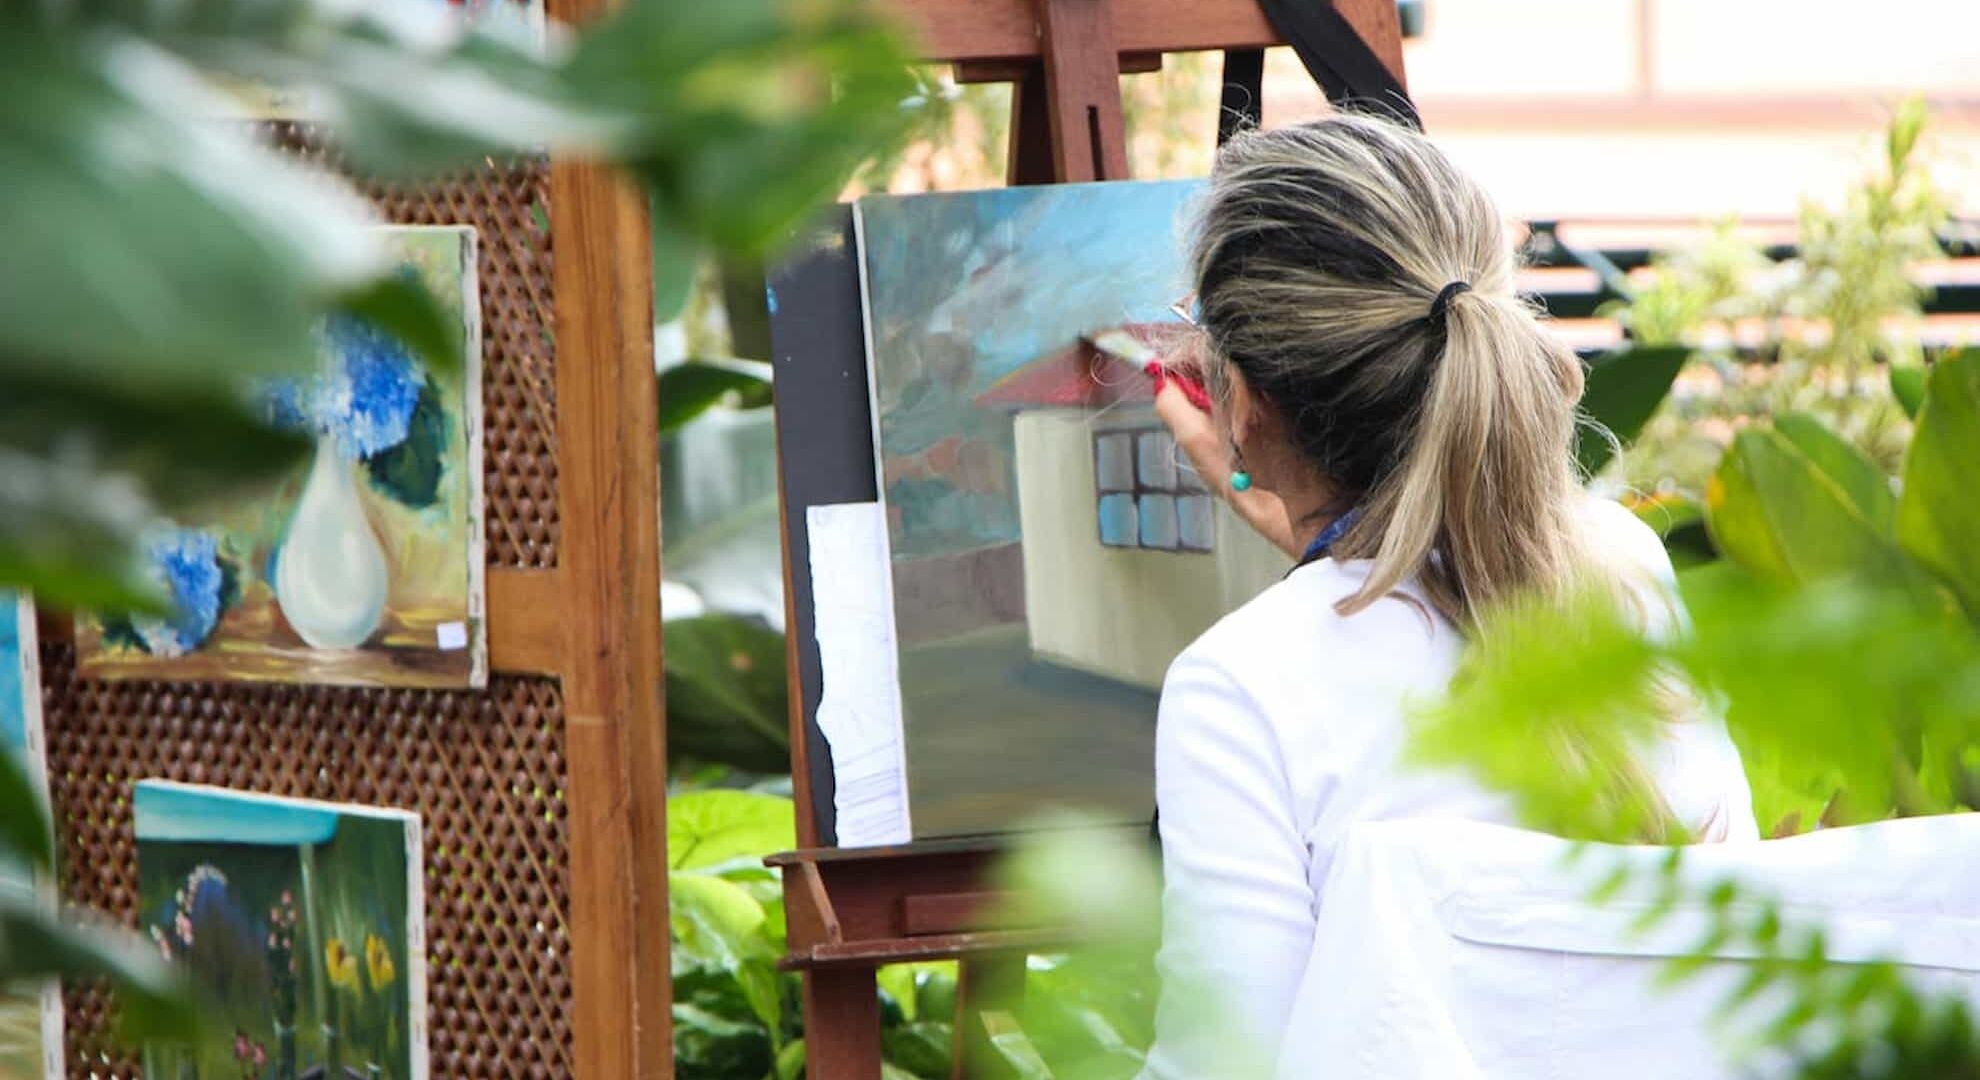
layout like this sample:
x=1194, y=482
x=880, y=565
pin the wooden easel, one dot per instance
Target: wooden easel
x=851, y=910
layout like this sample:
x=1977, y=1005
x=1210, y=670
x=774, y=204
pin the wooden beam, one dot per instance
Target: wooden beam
x=527, y=622
x=1083, y=90
x=993, y=71
x=615, y=728
x=951, y=30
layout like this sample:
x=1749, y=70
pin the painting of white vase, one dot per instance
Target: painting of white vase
x=365, y=566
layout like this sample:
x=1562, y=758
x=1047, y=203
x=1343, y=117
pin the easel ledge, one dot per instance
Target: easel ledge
x=852, y=910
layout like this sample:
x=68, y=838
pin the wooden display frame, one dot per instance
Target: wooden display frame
x=850, y=911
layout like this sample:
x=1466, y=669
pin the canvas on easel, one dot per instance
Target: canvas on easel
x=30, y=1020
x=1050, y=550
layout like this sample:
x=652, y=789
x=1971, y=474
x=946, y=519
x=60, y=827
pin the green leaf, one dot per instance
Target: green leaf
x=1908, y=387
x=1013, y=1047
x=713, y=828
x=675, y=259
x=1868, y=489
x=693, y=387
x=68, y=534
x=1776, y=512
x=712, y=1047
x=727, y=700
x=922, y=1049
x=790, y=1061
x=716, y=923
x=401, y=306
x=1622, y=391
x=24, y=829
x=1548, y=707
x=1938, y=520
x=153, y=1002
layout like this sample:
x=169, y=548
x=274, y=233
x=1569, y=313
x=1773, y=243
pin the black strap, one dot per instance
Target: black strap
x=1243, y=104
x=1339, y=59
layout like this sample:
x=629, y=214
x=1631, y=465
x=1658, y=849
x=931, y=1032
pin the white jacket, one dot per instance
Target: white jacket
x=1279, y=729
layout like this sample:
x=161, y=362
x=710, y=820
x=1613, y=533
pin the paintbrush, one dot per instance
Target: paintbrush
x=1129, y=349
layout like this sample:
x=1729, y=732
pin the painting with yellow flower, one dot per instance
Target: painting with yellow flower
x=300, y=923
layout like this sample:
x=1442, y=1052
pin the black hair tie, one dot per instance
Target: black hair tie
x=1441, y=306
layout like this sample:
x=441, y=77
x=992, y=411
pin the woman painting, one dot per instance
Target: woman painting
x=1391, y=414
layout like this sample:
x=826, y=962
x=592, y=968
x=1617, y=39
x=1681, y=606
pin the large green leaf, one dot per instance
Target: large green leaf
x=1850, y=684
x=1868, y=489
x=24, y=831
x=727, y=700
x=708, y=1046
x=154, y=1004
x=693, y=387
x=921, y=1048
x=1622, y=391
x=1776, y=512
x=1908, y=387
x=719, y=827
x=1938, y=520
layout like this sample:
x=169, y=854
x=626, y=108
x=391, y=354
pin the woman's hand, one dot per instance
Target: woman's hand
x=1197, y=437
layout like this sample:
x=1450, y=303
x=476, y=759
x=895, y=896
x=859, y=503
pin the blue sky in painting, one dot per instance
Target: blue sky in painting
x=965, y=288
x=13, y=700
x=206, y=815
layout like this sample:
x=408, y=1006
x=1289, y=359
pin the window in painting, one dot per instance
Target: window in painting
x=1148, y=496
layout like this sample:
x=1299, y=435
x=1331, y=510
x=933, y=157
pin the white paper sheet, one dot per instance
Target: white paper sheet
x=859, y=708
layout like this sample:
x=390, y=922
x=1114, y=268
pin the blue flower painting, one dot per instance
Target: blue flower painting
x=364, y=567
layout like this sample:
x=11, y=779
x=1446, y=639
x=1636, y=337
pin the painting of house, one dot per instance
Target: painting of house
x=1049, y=551
x=1126, y=555
x=299, y=923
x=30, y=1018
x=363, y=566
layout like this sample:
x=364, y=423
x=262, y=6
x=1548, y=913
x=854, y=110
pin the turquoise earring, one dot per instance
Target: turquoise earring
x=1240, y=480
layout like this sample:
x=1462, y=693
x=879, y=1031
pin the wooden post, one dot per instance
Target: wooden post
x=608, y=462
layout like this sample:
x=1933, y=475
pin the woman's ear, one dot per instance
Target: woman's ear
x=1241, y=406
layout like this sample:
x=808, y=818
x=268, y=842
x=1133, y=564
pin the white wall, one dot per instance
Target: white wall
x=1120, y=612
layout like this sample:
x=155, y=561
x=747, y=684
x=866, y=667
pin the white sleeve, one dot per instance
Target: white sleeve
x=1238, y=912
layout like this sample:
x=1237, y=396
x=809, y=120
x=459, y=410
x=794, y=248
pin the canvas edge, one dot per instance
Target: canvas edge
x=880, y=500
x=476, y=420
x=416, y=942
x=47, y=885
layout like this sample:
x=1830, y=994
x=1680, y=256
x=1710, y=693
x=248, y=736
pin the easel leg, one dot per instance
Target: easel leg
x=989, y=984
x=841, y=1024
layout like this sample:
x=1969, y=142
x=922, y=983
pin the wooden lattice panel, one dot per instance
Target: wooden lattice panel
x=486, y=771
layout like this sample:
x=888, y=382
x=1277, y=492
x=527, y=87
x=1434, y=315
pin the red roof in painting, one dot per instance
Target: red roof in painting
x=1083, y=377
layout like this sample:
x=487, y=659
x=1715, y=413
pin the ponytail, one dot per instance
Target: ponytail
x=1329, y=259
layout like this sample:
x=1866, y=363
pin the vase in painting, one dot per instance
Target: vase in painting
x=331, y=576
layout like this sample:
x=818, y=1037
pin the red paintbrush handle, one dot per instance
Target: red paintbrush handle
x=1190, y=388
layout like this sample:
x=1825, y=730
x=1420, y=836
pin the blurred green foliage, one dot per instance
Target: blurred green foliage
x=163, y=258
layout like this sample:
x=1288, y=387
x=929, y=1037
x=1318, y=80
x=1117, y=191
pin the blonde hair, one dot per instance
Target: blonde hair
x=1320, y=253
